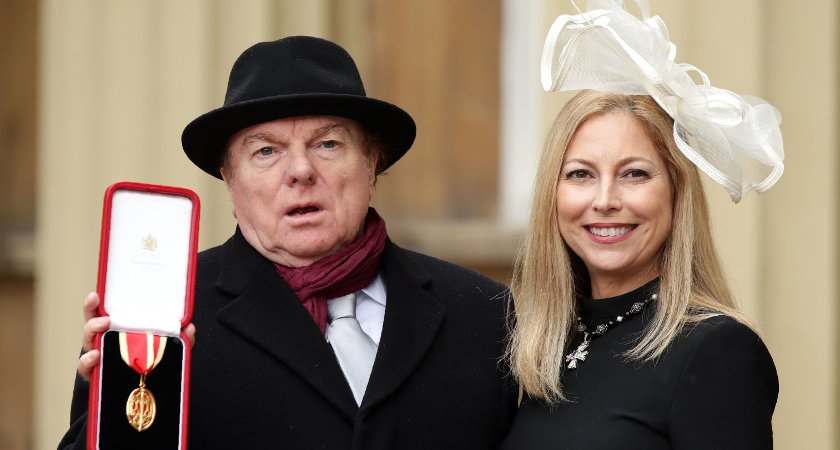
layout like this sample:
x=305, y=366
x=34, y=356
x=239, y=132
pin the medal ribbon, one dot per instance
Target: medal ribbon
x=142, y=351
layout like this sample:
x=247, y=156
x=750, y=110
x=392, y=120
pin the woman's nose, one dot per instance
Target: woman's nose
x=607, y=197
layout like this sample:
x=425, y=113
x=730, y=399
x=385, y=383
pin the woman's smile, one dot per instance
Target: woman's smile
x=610, y=233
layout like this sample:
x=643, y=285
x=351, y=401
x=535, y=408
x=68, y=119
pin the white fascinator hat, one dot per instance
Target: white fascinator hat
x=734, y=139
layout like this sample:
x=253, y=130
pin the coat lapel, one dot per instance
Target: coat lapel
x=267, y=313
x=412, y=320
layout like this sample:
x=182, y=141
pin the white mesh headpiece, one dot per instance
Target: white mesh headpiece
x=734, y=139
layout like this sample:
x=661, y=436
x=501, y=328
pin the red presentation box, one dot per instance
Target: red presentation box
x=139, y=393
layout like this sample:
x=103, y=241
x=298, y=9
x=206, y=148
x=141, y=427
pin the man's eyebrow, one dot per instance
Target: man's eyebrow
x=258, y=137
x=271, y=138
x=326, y=129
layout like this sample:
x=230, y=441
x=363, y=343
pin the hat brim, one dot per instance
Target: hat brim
x=205, y=138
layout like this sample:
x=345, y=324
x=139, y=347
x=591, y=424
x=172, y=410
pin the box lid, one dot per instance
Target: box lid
x=147, y=257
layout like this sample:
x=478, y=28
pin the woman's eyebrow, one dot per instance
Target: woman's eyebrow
x=622, y=161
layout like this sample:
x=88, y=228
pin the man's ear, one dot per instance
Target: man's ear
x=372, y=164
x=372, y=180
x=226, y=178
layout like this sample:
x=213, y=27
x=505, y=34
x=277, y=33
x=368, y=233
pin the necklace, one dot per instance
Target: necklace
x=579, y=354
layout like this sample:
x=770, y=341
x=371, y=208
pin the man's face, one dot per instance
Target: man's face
x=300, y=186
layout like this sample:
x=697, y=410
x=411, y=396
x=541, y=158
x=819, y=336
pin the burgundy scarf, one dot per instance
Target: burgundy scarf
x=347, y=271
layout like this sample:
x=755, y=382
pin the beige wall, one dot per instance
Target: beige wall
x=120, y=79
x=799, y=244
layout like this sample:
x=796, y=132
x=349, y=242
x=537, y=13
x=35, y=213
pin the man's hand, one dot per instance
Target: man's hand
x=95, y=324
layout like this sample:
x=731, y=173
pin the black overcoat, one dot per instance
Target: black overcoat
x=264, y=377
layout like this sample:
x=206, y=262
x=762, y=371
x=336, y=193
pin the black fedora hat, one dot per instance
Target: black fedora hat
x=294, y=76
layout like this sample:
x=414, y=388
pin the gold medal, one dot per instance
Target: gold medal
x=142, y=352
x=140, y=407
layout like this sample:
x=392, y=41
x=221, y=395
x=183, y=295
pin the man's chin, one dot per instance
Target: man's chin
x=301, y=257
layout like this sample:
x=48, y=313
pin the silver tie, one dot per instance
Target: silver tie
x=354, y=349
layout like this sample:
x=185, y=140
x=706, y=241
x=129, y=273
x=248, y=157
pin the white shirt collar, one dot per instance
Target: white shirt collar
x=376, y=290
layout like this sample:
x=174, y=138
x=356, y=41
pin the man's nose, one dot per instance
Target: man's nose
x=300, y=169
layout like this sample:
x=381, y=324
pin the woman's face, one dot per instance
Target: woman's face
x=614, y=202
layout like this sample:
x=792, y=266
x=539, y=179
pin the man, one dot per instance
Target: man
x=299, y=145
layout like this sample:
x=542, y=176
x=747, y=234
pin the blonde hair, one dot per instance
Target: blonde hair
x=548, y=276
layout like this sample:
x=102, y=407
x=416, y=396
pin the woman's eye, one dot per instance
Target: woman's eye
x=636, y=173
x=265, y=151
x=578, y=173
x=329, y=144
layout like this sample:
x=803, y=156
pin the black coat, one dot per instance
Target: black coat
x=264, y=377
x=715, y=387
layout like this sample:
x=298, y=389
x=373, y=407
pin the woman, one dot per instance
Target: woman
x=620, y=218
x=626, y=334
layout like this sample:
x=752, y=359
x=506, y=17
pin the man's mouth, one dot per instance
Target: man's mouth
x=302, y=210
x=610, y=231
